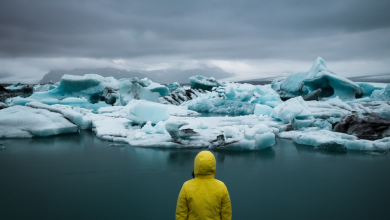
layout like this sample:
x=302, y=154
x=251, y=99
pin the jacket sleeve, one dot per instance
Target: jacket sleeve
x=182, y=210
x=226, y=210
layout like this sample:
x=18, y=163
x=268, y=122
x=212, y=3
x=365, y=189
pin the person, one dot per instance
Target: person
x=204, y=197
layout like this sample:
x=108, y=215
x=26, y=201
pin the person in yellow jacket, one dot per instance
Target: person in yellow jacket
x=204, y=198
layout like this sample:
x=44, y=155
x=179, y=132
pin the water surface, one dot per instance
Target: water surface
x=81, y=177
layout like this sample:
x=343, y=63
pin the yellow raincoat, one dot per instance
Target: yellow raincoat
x=204, y=198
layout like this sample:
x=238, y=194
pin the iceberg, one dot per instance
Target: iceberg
x=262, y=110
x=130, y=89
x=89, y=86
x=26, y=122
x=294, y=108
x=148, y=128
x=319, y=77
x=204, y=83
x=141, y=111
x=381, y=95
x=320, y=137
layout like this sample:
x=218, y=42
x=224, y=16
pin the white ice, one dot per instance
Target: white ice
x=26, y=122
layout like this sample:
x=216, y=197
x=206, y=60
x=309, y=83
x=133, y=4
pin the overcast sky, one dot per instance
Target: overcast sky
x=253, y=39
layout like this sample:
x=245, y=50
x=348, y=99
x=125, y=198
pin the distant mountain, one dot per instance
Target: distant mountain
x=378, y=78
x=172, y=75
x=164, y=76
x=55, y=75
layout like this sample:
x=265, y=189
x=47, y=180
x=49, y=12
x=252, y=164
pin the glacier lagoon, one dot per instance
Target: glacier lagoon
x=79, y=176
x=313, y=145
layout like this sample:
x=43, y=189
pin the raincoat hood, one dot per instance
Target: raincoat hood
x=204, y=165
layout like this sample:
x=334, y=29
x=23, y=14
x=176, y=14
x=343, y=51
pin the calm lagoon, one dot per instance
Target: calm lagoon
x=79, y=176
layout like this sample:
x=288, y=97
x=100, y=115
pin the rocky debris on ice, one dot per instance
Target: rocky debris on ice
x=204, y=83
x=319, y=77
x=368, y=125
x=183, y=94
x=26, y=122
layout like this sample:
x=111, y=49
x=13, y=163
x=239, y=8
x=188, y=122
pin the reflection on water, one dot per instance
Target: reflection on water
x=77, y=176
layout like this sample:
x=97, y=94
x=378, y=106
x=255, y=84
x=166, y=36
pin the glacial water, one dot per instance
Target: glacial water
x=81, y=177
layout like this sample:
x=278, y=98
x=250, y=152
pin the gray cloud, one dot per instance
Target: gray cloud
x=195, y=29
x=171, y=31
x=4, y=75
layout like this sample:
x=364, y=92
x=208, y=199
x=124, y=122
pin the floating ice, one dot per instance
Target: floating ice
x=203, y=125
x=160, y=128
x=381, y=95
x=201, y=82
x=291, y=109
x=262, y=110
x=148, y=128
x=230, y=131
x=130, y=89
x=230, y=92
x=262, y=128
x=142, y=111
x=26, y=122
x=319, y=77
x=319, y=137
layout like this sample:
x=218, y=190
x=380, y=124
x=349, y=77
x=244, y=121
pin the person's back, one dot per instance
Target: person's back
x=204, y=197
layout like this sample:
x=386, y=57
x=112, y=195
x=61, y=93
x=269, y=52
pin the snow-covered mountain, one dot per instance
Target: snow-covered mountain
x=164, y=76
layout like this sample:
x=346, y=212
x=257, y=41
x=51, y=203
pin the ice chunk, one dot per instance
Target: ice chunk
x=292, y=85
x=201, y=82
x=110, y=128
x=26, y=122
x=230, y=131
x=320, y=137
x=173, y=86
x=145, y=82
x=264, y=141
x=384, y=111
x=275, y=85
x=230, y=92
x=262, y=128
x=89, y=86
x=148, y=128
x=156, y=87
x=72, y=116
x=130, y=89
x=173, y=127
x=319, y=77
x=262, y=110
x=160, y=128
x=381, y=95
x=140, y=135
x=250, y=133
x=142, y=111
x=203, y=125
x=369, y=88
x=291, y=109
